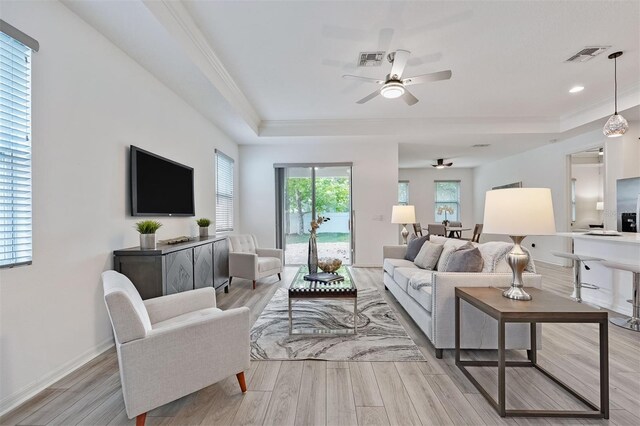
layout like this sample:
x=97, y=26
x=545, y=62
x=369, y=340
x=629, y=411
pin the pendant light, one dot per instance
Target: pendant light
x=616, y=124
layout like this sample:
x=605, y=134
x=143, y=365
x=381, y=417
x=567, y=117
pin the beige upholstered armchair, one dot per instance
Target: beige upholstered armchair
x=248, y=261
x=171, y=346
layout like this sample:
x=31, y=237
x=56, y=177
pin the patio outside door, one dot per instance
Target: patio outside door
x=305, y=192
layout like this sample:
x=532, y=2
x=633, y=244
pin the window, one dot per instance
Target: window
x=447, y=205
x=15, y=152
x=224, y=192
x=403, y=192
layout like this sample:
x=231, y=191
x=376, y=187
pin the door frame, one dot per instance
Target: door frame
x=279, y=193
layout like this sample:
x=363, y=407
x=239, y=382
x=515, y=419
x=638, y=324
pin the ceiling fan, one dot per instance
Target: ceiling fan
x=394, y=86
x=440, y=164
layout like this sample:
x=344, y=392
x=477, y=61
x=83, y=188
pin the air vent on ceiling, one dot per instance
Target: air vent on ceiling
x=481, y=145
x=587, y=53
x=370, y=59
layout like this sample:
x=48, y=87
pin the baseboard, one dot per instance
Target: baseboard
x=12, y=401
x=361, y=265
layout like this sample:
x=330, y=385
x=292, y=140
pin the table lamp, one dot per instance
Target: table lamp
x=518, y=212
x=403, y=215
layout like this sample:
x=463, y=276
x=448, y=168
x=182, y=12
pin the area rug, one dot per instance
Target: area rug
x=380, y=336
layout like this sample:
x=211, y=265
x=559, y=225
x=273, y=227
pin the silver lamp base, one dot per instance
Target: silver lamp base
x=518, y=260
x=404, y=233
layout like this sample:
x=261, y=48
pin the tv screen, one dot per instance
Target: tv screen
x=160, y=187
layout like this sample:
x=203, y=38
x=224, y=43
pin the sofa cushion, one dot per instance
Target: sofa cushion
x=188, y=317
x=465, y=259
x=390, y=264
x=414, y=246
x=424, y=278
x=402, y=275
x=421, y=295
x=428, y=256
x=268, y=263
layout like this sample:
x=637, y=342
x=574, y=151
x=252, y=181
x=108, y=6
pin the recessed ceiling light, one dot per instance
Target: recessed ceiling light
x=576, y=89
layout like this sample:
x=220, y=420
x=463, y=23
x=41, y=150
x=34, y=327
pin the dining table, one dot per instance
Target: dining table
x=451, y=230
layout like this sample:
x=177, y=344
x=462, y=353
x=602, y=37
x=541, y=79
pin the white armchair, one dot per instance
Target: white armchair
x=171, y=346
x=247, y=260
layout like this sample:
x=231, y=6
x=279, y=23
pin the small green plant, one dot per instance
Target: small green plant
x=148, y=226
x=203, y=223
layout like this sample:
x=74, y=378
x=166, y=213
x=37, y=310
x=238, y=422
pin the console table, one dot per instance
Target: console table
x=544, y=307
x=173, y=268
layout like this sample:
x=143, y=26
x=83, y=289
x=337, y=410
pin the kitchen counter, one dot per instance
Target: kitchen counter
x=615, y=286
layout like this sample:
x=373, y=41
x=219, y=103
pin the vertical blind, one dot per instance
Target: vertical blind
x=15, y=152
x=224, y=192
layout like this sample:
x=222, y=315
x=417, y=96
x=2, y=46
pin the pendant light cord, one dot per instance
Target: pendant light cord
x=615, y=83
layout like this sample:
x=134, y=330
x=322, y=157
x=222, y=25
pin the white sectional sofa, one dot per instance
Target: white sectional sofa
x=428, y=296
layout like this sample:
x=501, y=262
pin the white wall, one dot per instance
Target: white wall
x=375, y=190
x=547, y=167
x=90, y=102
x=422, y=192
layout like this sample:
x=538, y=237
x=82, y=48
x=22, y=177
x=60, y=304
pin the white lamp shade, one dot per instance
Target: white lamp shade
x=599, y=205
x=519, y=212
x=403, y=214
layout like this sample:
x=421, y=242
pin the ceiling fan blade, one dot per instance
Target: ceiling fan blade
x=368, y=97
x=425, y=78
x=448, y=164
x=364, y=79
x=399, y=63
x=384, y=39
x=409, y=98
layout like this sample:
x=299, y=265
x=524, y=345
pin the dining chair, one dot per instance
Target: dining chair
x=437, y=229
x=417, y=229
x=455, y=224
x=477, y=231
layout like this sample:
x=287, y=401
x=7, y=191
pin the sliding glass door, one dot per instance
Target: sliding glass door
x=305, y=192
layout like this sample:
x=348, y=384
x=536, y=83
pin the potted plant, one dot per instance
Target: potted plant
x=445, y=210
x=204, y=223
x=147, y=230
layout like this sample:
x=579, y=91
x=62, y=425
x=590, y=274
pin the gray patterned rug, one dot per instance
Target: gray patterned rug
x=380, y=336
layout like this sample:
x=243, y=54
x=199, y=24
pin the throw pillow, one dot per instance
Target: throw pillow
x=428, y=255
x=465, y=259
x=414, y=246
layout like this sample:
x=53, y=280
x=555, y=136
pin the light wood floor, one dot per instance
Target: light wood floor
x=362, y=393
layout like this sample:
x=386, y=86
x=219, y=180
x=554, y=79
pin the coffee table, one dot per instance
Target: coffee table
x=301, y=289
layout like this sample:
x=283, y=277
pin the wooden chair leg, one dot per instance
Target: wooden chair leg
x=243, y=384
x=254, y=284
x=279, y=277
x=230, y=278
x=140, y=419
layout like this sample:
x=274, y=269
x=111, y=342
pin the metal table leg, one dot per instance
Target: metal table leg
x=290, y=318
x=355, y=315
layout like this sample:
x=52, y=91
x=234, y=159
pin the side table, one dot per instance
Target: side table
x=544, y=307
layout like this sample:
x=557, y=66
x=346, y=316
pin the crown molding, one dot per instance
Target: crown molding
x=407, y=126
x=175, y=18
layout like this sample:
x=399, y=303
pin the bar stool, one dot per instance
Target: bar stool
x=632, y=323
x=578, y=260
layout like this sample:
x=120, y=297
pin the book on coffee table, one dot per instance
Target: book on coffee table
x=324, y=277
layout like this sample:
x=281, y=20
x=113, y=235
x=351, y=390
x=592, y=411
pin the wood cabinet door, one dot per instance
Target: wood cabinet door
x=179, y=271
x=220, y=262
x=203, y=266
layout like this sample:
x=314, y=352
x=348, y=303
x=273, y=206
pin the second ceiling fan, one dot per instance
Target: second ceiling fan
x=394, y=86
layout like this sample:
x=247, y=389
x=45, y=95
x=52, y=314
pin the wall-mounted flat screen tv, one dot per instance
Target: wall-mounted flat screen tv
x=159, y=186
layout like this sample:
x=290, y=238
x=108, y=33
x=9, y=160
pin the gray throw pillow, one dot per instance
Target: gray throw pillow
x=465, y=259
x=428, y=256
x=414, y=246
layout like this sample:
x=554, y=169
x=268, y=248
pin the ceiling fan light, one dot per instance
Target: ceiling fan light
x=615, y=126
x=440, y=166
x=392, y=90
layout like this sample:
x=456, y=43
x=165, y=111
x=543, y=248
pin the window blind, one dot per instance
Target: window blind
x=447, y=200
x=15, y=152
x=224, y=192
